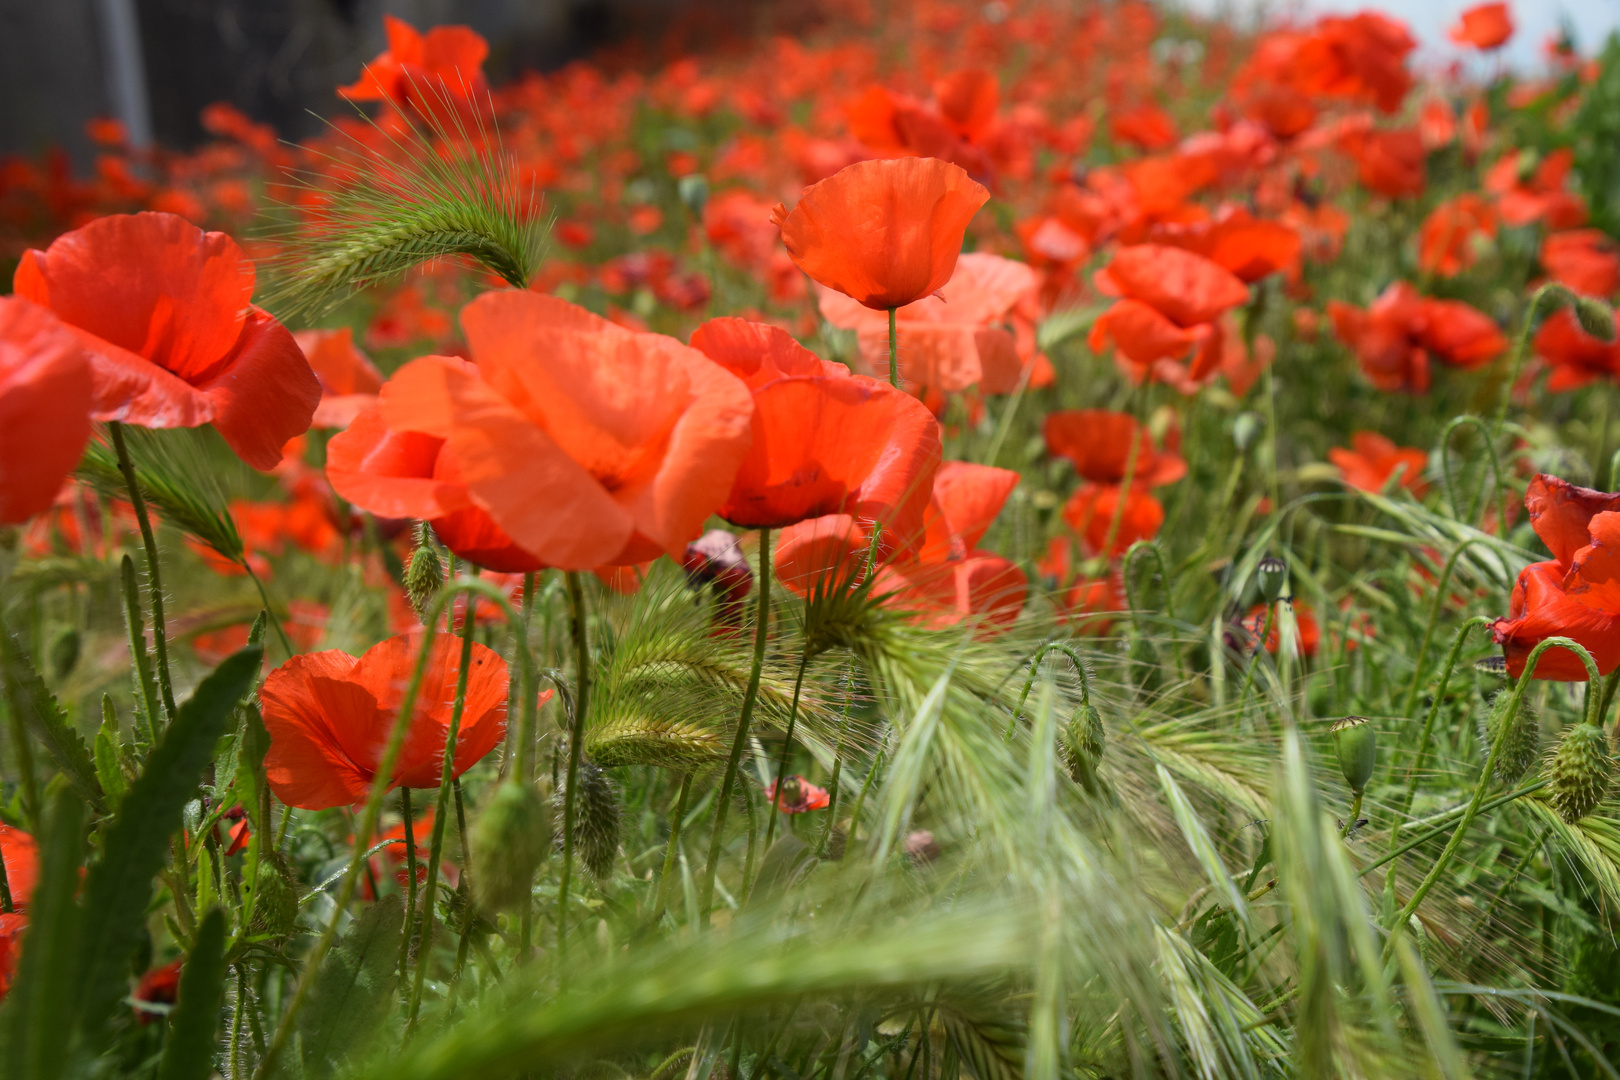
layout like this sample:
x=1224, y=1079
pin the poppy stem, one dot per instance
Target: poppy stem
x=1034, y=666
x=576, y=739
x=424, y=950
x=787, y=750
x=406, y=929
x=761, y=628
x=525, y=745
x=1428, y=630
x=676, y=820
x=894, y=352
x=1118, y=517
x=154, y=580
x=135, y=624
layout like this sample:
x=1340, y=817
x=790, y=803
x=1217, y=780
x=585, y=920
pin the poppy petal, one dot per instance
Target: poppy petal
x=44, y=407
x=265, y=395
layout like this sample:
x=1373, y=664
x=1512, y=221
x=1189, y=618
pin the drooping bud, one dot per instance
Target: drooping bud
x=275, y=912
x=425, y=576
x=1271, y=575
x=509, y=840
x=1084, y=740
x=1580, y=771
x=694, y=192
x=596, y=818
x=65, y=651
x=1595, y=317
x=1355, y=741
x=1523, y=741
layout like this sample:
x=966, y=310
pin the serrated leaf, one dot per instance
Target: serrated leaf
x=32, y=1021
x=29, y=698
x=354, y=989
x=188, y=1053
x=119, y=887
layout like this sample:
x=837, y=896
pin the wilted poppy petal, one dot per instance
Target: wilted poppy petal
x=44, y=407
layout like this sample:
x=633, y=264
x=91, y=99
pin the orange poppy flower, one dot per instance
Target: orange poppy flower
x=44, y=408
x=405, y=474
x=165, y=312
x=1090, y=514
x=1449, y=241
x=1310, y=634
x=349, y=381
x=1483, y=26
x=885, y=233
x=329, y=715
x=822, y=552
x=1249, y=247
x=824, y=442
x=1170, y=299
x=1576, y=593
x=1394, y=338
x=416, y=67
x=22, y=865
x=1373, y=459
x=1577, y=358
x=1099, y=443
x=798, y=796
x=1585, y=260
x=953, y=339
x=588, y=444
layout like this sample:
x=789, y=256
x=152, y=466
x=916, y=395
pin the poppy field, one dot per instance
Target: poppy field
x=937, y=541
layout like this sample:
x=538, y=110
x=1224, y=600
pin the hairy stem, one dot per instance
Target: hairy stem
x=576, y=739
x=154, y=579
x=406, y=930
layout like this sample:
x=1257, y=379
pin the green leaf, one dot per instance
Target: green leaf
x=32, y=1024
x=109, y=769
x=189, y=1052
x=119, y=887
x=252, y=744
x=353, y=990
x=28, y=696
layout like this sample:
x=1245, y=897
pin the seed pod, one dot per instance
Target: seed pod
x=1272, y=578
x=65, y=651
x=509, y=839
x=1595, y=317
x=596, y=818
x=425, y=576
x=694, y=192
x=1580, y=771
x=1355, y=741
x=276, y=911
x=1523, y=740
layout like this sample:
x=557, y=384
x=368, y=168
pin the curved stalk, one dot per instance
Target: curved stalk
x=154, y=579
x=576, y=737
x=1127, y=572
x=723, y=797
x=1034, y=667
x=1428, y=630
x=1489, y=438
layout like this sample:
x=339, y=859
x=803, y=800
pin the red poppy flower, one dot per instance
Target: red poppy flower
x=1585, y=260
x=1528, y=189
x=349, y=381
x=824, y=442
x=329, y=716
x=160, y=986
x=822, y=552
x=1310, y=634
x=798, y=795
x=1394, y=338
x=883, y=232
x=1091, y=510
x=1448, y=242
x=1388, y=162
x=1088, y=606
x=1373, y=459
x=44, y=408
x=1577, y=358
x=22, y=865
x=11, y=935
x=587, y=444
x=392, y=860
x=447, y=60
x=1170, y=299
x=1360, y=57
x=1576, y=593
x=1483, y=26
x=1249, y=247
x=165, y=312
x=1146, y=127
x=405, y=474
x=1099, y=443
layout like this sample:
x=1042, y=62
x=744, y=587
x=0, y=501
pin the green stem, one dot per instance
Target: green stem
x=576, y=739
x=1355, y=815
x=136, y=626
x=787, y=750
x=406, y=930
x=1485, y=777
x=1438, y=822
x=154, y=579
x=860, y=800
x=1428, y=630
x=1118, y=517
x=1034, y=667
x=723, y=799
x=676, y=820
x=894, y=352
x=525, y=748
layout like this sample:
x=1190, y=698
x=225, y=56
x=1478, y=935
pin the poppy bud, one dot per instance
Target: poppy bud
x=509, y=840
x=1595, y=317
x=1272, y=578
x=65, y=651
x=694, y=192
x=1355, y=741
x=1580, y=771
x=1523, y=738
x=275, y=913
x=425, y=576
x=1084, y=740
x=596, y=818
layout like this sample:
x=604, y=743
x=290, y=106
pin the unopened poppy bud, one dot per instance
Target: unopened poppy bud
x=694, y=192
x=596, y=818
x=1084, y=740
x=1580, y=771
x=65, y=651
x=1355, y=741
x=1272, y=578
x=1246, y=428
x=1523, y=739
x=509, y=839
x=1595, y=317
x=275, y=912
x=425, y=576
